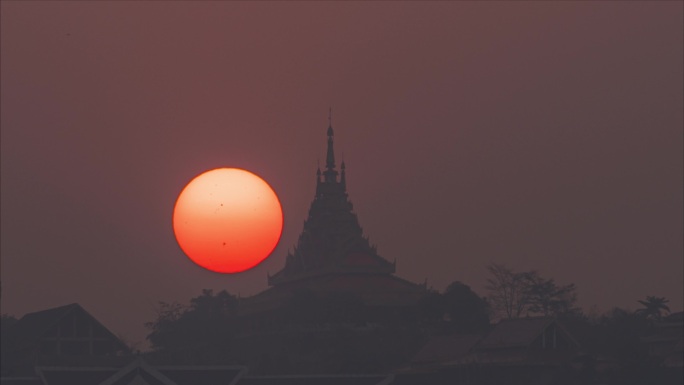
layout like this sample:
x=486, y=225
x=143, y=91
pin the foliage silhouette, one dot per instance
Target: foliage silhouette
x=506, y=291
x=654, y=307
x=513, y=294
x=546, y=298
x=208, y=318
x=467, y=312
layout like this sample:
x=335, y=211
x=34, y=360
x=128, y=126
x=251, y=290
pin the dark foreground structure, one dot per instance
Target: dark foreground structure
x=58, y=347
x=332, y=257
x=334, y=315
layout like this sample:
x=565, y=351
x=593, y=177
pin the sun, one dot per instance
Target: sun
x=227, y=220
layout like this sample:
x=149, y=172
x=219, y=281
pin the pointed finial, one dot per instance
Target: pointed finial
x=330, y=156
x=330, y=129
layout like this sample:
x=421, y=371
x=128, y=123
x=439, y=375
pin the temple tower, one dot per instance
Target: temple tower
x=332, y=256
x=332, y=240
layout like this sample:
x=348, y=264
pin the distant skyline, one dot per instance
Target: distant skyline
x=538, y=136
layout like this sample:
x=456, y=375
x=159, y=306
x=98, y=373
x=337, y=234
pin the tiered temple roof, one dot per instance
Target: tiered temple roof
x=332, y=240
x=332, y=255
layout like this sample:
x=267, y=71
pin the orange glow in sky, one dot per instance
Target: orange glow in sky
x=227, y=220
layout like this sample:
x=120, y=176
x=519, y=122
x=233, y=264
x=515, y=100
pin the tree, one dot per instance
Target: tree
x=431, y=307
x=466, y=310
x=208, y=318
x=546, y=298
x=654, y=307
x=513, y=294
x=507, y=291
x=163, y=331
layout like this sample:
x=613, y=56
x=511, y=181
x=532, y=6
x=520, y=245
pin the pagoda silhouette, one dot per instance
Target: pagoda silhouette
x=332, y=256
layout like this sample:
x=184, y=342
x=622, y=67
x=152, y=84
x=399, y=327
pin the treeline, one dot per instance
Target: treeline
x=209, y=318
x=212, y=317
x=339, y=333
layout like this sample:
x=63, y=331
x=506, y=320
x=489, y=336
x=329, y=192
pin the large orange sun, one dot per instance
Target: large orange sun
x=227, y=220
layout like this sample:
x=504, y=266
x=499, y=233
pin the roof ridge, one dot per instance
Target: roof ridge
x=52, y=309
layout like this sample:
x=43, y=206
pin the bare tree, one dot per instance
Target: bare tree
x=513, y=294
x=507, y=291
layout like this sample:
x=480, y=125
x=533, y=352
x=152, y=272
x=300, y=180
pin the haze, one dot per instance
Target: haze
x=540, y=136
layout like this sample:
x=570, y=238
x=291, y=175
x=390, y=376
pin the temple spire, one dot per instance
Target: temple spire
x=330, y=174
x=318, y=172
x=330, y=158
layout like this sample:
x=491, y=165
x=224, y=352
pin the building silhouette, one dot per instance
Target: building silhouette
x=332, y=256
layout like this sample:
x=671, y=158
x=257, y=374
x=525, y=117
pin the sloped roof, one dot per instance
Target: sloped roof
x=442, y=349
x=665, y=335
x=360, y=259
x=377, y=379
x=139, y=371
x=20, y=381
x=202, y=375
x=332, y=239
x=373, y=289
x=33, y=325
x=517, y=333
x=70, y=376
x=93, y=361
x=424, y=378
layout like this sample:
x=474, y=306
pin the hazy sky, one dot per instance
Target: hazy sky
x=540, y=136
